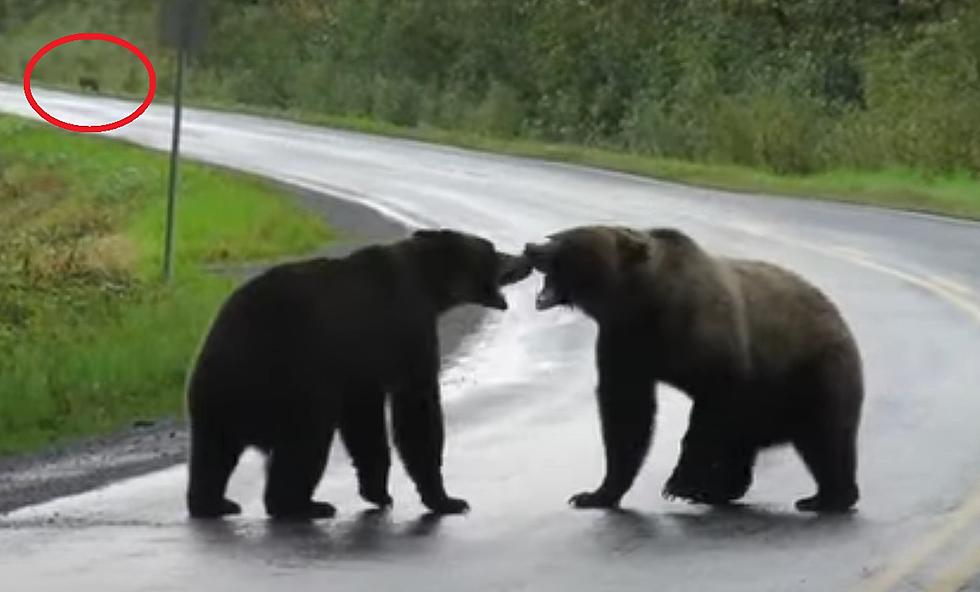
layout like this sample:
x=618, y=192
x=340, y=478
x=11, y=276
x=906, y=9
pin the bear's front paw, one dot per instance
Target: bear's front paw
x=224, y=507
x=322, y=510
x=827, y=505
x=310, y=511
x=378, y=497
x=447, y=505
x=594, y=499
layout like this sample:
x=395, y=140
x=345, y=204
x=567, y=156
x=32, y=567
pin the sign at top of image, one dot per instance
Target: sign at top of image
x=183, y=23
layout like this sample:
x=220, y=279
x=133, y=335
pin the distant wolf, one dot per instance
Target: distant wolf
x=88, y=83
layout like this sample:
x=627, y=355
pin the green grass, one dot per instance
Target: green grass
x=90, y=338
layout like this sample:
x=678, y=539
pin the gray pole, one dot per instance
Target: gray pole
x=168, y=254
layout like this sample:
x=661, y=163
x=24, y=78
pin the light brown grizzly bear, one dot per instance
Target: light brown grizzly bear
x=764, y=356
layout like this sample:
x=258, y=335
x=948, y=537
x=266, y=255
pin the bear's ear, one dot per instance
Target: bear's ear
x=632, y=250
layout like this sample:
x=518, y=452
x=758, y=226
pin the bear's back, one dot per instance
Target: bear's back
x=757, y=319
x=340, y=313
x=789, y=320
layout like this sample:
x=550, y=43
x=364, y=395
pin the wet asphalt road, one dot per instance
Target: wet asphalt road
x=523, y=434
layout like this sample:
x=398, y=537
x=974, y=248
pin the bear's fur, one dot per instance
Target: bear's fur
x=307, y=347
x=764, y=356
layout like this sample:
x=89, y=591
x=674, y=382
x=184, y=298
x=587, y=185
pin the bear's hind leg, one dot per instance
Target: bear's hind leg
x=730, y=478
x=831, y=457
x=715, y=464
x=718, y=479
x=295, y=466
x=213, y=457
x=826, y=438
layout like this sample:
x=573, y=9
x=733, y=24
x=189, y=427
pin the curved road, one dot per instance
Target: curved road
x=523, y=433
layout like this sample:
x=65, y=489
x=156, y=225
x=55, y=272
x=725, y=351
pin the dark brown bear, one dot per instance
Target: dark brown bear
x=308, y=346
x=764, y=356
x=88, y=83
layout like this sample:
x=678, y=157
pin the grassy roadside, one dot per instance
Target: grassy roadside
x=954, y=194
x=89, y=338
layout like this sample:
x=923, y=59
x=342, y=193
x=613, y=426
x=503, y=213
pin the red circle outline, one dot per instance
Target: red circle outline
x=151, y=75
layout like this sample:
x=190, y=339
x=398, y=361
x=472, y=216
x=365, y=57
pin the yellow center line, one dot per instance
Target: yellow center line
x=957, y=578
x=942, y=289
x=953, y=525
x=969, y=511
x=953, y=285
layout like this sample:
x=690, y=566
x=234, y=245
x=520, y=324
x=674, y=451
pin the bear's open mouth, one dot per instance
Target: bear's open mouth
x=494, y=298
x=549, y=296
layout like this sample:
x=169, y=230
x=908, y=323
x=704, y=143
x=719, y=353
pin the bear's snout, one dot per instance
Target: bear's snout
x=513, y=268
x=537, y=255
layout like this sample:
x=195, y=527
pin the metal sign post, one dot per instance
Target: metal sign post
x=168, y=250
x=182, y=26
